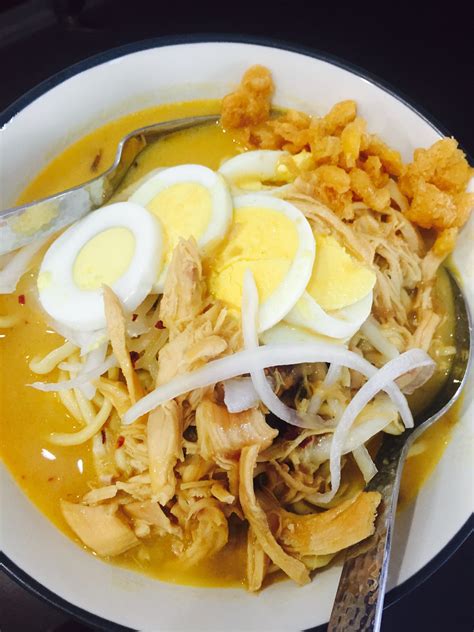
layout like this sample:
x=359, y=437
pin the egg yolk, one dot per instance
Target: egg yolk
x=260, y=239
x=184, y=210
x=104, y=258
x=337, y=280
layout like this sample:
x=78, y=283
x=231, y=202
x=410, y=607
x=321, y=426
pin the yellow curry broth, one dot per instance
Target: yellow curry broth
x=48, y=473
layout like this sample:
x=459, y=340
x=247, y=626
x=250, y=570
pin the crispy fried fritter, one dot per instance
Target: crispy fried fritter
x=363, y=187
x=443, y=164
x=347, y=164
x=250, y=103
x=435, y=181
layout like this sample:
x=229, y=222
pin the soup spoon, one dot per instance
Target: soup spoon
x=21, y=225
x=360, y=595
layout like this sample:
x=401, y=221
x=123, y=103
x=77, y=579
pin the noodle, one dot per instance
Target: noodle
x=94, y=426
x=45, y=365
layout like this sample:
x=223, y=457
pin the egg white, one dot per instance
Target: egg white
x=283, y=332
x=83, y=310
x=293, y=284
x=253, y=166
x=340, y=324
x=221, y=203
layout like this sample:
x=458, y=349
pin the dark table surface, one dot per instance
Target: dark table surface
x=427, y=54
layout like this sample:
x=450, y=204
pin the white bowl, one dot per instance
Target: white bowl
x=41, y=125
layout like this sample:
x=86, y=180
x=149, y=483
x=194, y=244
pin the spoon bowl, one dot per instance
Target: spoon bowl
x=359, y=599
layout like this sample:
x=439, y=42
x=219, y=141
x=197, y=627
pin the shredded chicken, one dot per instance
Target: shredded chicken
x=209, y=533
x=223, y=435
x=330, y=531
x=183, y=292
x=258, y=521
x=153, y=515
x=193, y=346
x=164, y=433
x=118, y=339
x=257, y=562
x=99, y=527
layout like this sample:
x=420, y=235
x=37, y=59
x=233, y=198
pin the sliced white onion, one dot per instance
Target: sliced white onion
x=138, y=328
x=88, y=390
x=365, y=463
x=412, y=359
x=240, y=395
x=80, y=380
x=415, y=378
x=249, y=310
x=18, y=265
x=86, y=340
x=378, y=340
x=244, y=362
x=94, y=358
x=331, y=378
x=358, y=436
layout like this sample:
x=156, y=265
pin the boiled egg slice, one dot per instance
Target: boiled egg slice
x=338, y=298
x=189, y=200
x=272, y=238
x=119, y=245
x=262, y=170
x=283, y=332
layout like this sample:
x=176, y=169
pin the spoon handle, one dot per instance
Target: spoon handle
x=359, y=600
x=20, y=225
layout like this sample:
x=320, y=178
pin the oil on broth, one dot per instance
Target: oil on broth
x=47, y=473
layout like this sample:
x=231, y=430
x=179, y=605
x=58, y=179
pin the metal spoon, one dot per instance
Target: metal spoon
x=359, y=600
x=21, y=225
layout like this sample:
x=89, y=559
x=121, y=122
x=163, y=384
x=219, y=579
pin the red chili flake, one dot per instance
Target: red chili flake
x=134, y=317
x=103, y=435
x=96, y=161
x=306, y=442
x=51, y=478
x=22, y=299
x=120, y=441
x=134, y=355
x=290, y=432
x=159, y=324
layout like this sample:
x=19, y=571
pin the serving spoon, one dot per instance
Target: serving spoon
x=21, y=225
x=359, y=599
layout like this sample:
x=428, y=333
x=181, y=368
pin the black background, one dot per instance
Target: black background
x=425, y=52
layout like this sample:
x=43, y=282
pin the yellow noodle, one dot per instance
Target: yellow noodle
x=86, y=433
x=98, y=399
x=87, y=409
x=50, y=361
x=69, y=400
x=113, y=373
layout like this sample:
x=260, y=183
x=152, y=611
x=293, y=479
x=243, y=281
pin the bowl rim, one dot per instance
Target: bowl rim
x=8, y=566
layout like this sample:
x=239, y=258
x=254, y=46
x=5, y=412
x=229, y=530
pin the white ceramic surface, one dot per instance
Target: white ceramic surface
x=182, y=72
